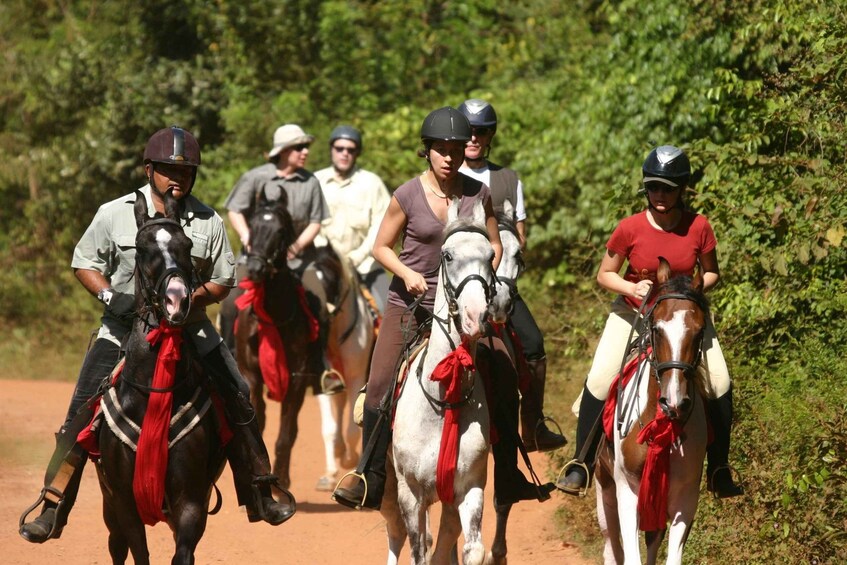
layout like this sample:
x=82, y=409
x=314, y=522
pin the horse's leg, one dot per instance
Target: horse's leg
x=357, y=368
x=331, y=436
x=654, y=542
x=413, y=511
x=126, y=531
x=684, y=499
x=627, y=497
x=118, y=546
x=607, y=513
x=395, y=528
x=448, y=535
x=498, y=548
x=470, y=513
x=288, y=430
x=189, y=523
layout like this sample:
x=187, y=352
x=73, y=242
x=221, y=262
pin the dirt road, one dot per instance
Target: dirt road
x=321, y=532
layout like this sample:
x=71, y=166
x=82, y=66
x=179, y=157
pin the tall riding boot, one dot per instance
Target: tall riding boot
x=246, y=451
x=588, y=433
x=534, y=431
x=368, y=493
x=718, y=472
x=64, y=473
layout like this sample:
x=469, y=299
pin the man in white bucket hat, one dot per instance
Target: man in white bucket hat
x=284, y=171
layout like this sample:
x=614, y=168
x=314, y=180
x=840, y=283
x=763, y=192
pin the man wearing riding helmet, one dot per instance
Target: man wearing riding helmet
x=283, y=173
x=357, y=202
x=104, y=263
x=687, y=241
x=505, y=185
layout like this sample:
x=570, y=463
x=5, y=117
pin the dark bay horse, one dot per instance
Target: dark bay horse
x=275, y=330
x=649, y=473
x=149, y=385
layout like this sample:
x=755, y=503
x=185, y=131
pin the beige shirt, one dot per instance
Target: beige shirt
x=357, y=205
x=108, y=247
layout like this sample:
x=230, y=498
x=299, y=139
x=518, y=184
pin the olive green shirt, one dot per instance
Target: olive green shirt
x=108, y=247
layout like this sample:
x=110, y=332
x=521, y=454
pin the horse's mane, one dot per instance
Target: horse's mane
x=682, y=284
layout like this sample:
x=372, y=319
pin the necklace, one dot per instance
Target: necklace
x=428, y=185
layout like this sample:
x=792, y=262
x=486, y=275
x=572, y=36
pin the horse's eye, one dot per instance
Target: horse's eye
x=447, y=256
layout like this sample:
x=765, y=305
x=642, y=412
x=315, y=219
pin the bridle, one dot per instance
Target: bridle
x=453, y=291
x=511, y=283
x=151, y=292
x=270, y=262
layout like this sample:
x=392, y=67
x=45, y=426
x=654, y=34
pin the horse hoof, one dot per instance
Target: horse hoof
x=325, y=484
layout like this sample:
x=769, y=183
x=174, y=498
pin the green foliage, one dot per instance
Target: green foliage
x=754, y=91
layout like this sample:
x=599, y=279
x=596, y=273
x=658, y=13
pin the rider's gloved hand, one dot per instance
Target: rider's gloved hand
x=119, y=304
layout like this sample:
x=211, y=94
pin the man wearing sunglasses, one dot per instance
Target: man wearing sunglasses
x=505, y=185
x=357, y=202
x=284, y=172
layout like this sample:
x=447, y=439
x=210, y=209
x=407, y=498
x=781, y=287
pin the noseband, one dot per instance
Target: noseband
x=151, y=292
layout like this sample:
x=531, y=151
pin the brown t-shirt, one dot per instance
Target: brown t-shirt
x=423, y=233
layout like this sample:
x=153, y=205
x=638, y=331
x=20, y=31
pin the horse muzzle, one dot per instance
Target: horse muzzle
x=176, y=300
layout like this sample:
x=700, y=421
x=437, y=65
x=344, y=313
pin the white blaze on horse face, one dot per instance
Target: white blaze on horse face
x=176, y=291
x=675, y=331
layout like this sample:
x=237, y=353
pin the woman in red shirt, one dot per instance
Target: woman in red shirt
x=667, y=228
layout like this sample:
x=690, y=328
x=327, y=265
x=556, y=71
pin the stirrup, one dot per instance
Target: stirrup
x=349, y=503
x=60, y=503
x=582, y=492
x=540, y=424
x=710, y=482
x=327, y=377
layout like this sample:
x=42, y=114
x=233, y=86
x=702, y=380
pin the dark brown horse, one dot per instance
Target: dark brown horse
x=278, y=304
x=163, y=278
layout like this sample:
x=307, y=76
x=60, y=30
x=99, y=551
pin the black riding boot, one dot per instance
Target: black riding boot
x=534, y=431
x=510, y=484
x=576, y=479
x=54, y=515
x=369, y=495
x=718, y=472
x=246, y=451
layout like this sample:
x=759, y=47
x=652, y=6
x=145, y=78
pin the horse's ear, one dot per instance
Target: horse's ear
x=508, y=209
x=140, y=208
x=479, y=212
x=171, y=205
x=697, y=279
x=453, y=210
x=663, y=273
x=261, y=199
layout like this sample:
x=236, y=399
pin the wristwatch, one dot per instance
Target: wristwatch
x=105, y=295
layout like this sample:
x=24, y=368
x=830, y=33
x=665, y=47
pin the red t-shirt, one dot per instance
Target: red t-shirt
x=642, y=244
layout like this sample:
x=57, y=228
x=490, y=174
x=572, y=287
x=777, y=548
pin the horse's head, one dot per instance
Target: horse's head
x=467, y=277
x=271, y=232
x=511, y=265
x=677, y=322
x=163, y=261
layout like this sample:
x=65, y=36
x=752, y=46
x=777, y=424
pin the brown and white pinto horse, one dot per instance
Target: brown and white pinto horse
x=649, y=473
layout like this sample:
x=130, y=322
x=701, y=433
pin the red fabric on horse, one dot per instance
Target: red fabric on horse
x=151, y=462
x=659, y=434
x=449, y=371
x=314, y=326
x=272, y=358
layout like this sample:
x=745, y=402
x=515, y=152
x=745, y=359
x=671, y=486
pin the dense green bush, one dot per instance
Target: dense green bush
x=754, y=91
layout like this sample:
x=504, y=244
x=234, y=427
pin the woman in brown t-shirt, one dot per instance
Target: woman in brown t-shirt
x=417, y=213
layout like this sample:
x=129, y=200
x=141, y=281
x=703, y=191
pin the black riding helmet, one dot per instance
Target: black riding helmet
x=667, y=165
x=346, y=132
x=175, y=146
x=445, y=124
x=479, y=113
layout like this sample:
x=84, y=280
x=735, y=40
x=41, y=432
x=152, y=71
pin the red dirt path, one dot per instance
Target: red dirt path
x=320, y=532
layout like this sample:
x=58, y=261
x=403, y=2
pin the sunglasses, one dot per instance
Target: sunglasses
x=480, y=131
x=350, y=150
x=663, y=188
x=300, y=147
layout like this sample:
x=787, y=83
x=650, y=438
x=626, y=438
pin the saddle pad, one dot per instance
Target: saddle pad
x=128, y=431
